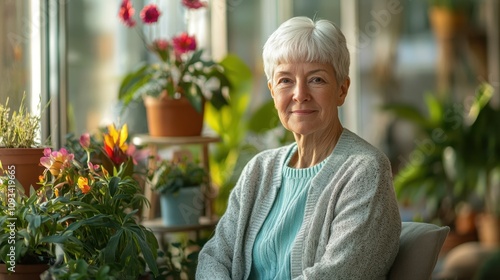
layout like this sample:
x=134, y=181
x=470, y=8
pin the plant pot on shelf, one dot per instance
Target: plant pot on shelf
x=183, y=207
x=23, y=271
x=23, y=164
x=169, y=117
x=447, y=23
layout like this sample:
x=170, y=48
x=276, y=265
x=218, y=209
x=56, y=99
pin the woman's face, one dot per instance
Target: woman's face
x=307, y=95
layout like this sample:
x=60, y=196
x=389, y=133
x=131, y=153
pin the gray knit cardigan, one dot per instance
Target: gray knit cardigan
x=351, y=223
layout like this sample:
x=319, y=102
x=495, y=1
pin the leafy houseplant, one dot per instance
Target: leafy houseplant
x=173, y=175
x=451, y=4
x=180, y=182
x=180, y=69
x=458, y=148
x=84, y=210
x=28, y=232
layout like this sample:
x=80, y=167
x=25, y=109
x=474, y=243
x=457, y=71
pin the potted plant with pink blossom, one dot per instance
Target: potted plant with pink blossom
x=179, y=81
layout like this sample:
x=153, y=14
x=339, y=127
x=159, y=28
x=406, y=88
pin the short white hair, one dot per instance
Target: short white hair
x=300, y=39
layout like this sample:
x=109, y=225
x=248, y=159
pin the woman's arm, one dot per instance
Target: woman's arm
x=215, y=260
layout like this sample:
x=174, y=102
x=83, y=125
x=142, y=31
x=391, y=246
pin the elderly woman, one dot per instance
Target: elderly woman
x=323, y=207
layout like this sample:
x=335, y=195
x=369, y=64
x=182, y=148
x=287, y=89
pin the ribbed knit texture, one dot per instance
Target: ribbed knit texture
x=351, y=223
x=272, y=248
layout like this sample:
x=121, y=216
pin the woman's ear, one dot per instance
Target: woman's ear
x=343, y=89
x=270, y=86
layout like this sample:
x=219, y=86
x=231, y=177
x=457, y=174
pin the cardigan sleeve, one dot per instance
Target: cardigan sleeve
x=364, y=226
x=222, y=257
x=215, y=260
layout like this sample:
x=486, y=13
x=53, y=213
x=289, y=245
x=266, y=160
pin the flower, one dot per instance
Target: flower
x=150, y=14
x=83, y=184
x=56, y=161
x=193, y=4
x=88, y=189
x=115, y=144
x=85, y=140
x=179, y=69
x=126, y=12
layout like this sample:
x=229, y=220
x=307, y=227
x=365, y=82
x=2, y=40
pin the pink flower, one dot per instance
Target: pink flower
x=137, y=154
x=85, y=140
x=56, y=161
x=126, y=12
x=193, y=4
x=150, y=14
x=92, y=167
x=184, y=43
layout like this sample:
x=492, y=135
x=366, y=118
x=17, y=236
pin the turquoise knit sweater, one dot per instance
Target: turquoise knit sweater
x=351, y=223
x=273, y=244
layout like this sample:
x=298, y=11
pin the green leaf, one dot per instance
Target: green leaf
x=264, y=118
x=113, y=185
x=112, y=246
x=149, y=256
x=407, y=112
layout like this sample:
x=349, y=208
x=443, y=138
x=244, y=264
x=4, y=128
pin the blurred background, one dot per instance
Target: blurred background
x=412, y=77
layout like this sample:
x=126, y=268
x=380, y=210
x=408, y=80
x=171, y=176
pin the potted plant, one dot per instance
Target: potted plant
x=180, y=182
x=96, y=210
x=20, y=150
x=176, y=85
x=28, y=232
x=448, y=17
x=449, y=20
x=455, y=159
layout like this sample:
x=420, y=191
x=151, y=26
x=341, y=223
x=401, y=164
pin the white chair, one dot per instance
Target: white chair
x=419, y=247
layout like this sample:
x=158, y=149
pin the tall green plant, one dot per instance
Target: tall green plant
x=230, y=124
x=235, y=124
x=457, y=142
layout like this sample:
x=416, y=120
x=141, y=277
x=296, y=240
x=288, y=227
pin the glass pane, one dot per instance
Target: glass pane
x=15, y=52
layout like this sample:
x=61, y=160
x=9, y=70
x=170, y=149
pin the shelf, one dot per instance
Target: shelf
x=144, y=139
x=154, y=143
x=156, y=225
x=160, y=230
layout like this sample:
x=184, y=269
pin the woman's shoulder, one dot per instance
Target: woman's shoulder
x=271, y=155
x=353, y=146
x=267, y=160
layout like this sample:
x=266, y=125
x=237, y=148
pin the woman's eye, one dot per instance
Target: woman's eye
x=317, y=80
x=284, y=81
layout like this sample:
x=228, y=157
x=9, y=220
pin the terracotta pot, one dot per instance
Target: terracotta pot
x=24, y=164
x=23, y=272
x=169, y=117
x=447, y=23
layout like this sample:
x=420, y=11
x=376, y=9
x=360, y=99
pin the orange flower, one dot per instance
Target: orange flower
x=83, y=184
x=56, y=191
x=115, y=144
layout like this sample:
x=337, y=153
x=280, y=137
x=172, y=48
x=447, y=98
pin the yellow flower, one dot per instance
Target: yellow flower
x=115, y=144
x=56, y=191
x=83, y=184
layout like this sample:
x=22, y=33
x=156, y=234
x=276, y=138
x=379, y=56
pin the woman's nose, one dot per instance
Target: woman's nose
x=301, y=92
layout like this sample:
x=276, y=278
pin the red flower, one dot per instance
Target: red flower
x=150, y=14
x=126, y=12
x=193, y=4
x=115, y=144
x=184, y=43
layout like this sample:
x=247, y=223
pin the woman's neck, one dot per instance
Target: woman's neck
x=314, y=148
